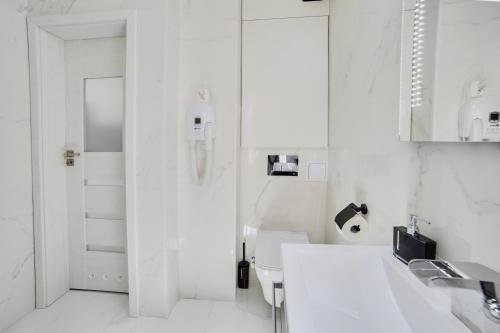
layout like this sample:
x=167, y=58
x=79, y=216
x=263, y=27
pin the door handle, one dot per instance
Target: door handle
x=70, y=153
x=69, y=156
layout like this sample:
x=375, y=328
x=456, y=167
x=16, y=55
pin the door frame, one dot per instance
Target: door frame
x=71, y=27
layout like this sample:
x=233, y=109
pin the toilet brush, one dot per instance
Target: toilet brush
x=243, y=271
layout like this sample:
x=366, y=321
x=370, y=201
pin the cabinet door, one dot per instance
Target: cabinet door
x=269, y=9
x=285, y=83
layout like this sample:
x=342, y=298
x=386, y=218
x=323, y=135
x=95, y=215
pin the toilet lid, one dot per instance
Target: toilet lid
x=268, y=246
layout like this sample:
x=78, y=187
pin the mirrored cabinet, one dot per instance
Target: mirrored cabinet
x=450, y=72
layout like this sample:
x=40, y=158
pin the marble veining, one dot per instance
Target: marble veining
x=457, y=195
x=41, y=7
x=156, y=205
x=280, y=203
x=452, y=185
x=208, y=59
x=16, y=219
x=105, y=312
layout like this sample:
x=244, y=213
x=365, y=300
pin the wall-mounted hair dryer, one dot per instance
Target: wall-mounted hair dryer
x=479, y=119
x=201, y=130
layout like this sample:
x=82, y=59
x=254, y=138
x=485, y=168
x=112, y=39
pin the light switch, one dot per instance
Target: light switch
x=317, y=171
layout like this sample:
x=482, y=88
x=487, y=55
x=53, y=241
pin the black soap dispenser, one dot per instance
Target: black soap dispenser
x=409, y=244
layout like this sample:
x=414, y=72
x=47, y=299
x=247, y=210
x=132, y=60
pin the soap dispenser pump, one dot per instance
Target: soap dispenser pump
x=409, y=244
x=413, y=225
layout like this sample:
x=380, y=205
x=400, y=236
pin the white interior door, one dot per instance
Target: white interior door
x=49, y=179
x=95, y=182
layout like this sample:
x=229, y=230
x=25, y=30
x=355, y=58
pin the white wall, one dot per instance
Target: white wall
x=458, y=189
x=170, y=182
x=156, y=153
x=367, y=162
x=41, y=7
x=283, y=203
x=280, y=203
x=17, y=294
x=207, y=215
x=209, y=58
x=455, y=186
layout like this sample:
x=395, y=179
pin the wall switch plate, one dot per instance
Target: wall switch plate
x=317, y=171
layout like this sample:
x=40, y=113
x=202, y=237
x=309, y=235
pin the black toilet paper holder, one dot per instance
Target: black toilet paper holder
x=349, y=212
x=363, y=209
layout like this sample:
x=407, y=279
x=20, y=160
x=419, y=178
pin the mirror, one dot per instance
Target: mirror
x=450, y=72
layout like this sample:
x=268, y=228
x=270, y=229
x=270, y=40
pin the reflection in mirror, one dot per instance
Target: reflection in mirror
x=450, y=89
x=103, y=98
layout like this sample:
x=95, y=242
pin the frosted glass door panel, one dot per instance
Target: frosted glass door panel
x=103, y=114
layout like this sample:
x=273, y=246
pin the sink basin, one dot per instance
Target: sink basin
x=348, y=289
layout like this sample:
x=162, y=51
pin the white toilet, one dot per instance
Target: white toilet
x=268, y=259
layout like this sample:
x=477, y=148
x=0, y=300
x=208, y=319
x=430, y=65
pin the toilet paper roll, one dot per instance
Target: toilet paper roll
x=355, y=230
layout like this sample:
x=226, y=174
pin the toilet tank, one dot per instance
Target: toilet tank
x=268, y=246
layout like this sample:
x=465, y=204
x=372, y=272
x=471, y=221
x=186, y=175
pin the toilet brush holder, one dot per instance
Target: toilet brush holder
x=243, y=272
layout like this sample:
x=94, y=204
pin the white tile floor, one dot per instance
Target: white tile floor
x=89, y=312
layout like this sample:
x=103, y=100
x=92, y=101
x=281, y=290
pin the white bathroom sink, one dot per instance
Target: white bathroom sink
x=348, y=289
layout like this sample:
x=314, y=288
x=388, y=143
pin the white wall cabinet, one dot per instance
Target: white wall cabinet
x=268, y=9
x=285, y=82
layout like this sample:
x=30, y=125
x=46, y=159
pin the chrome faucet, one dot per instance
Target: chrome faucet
x=475, y=300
